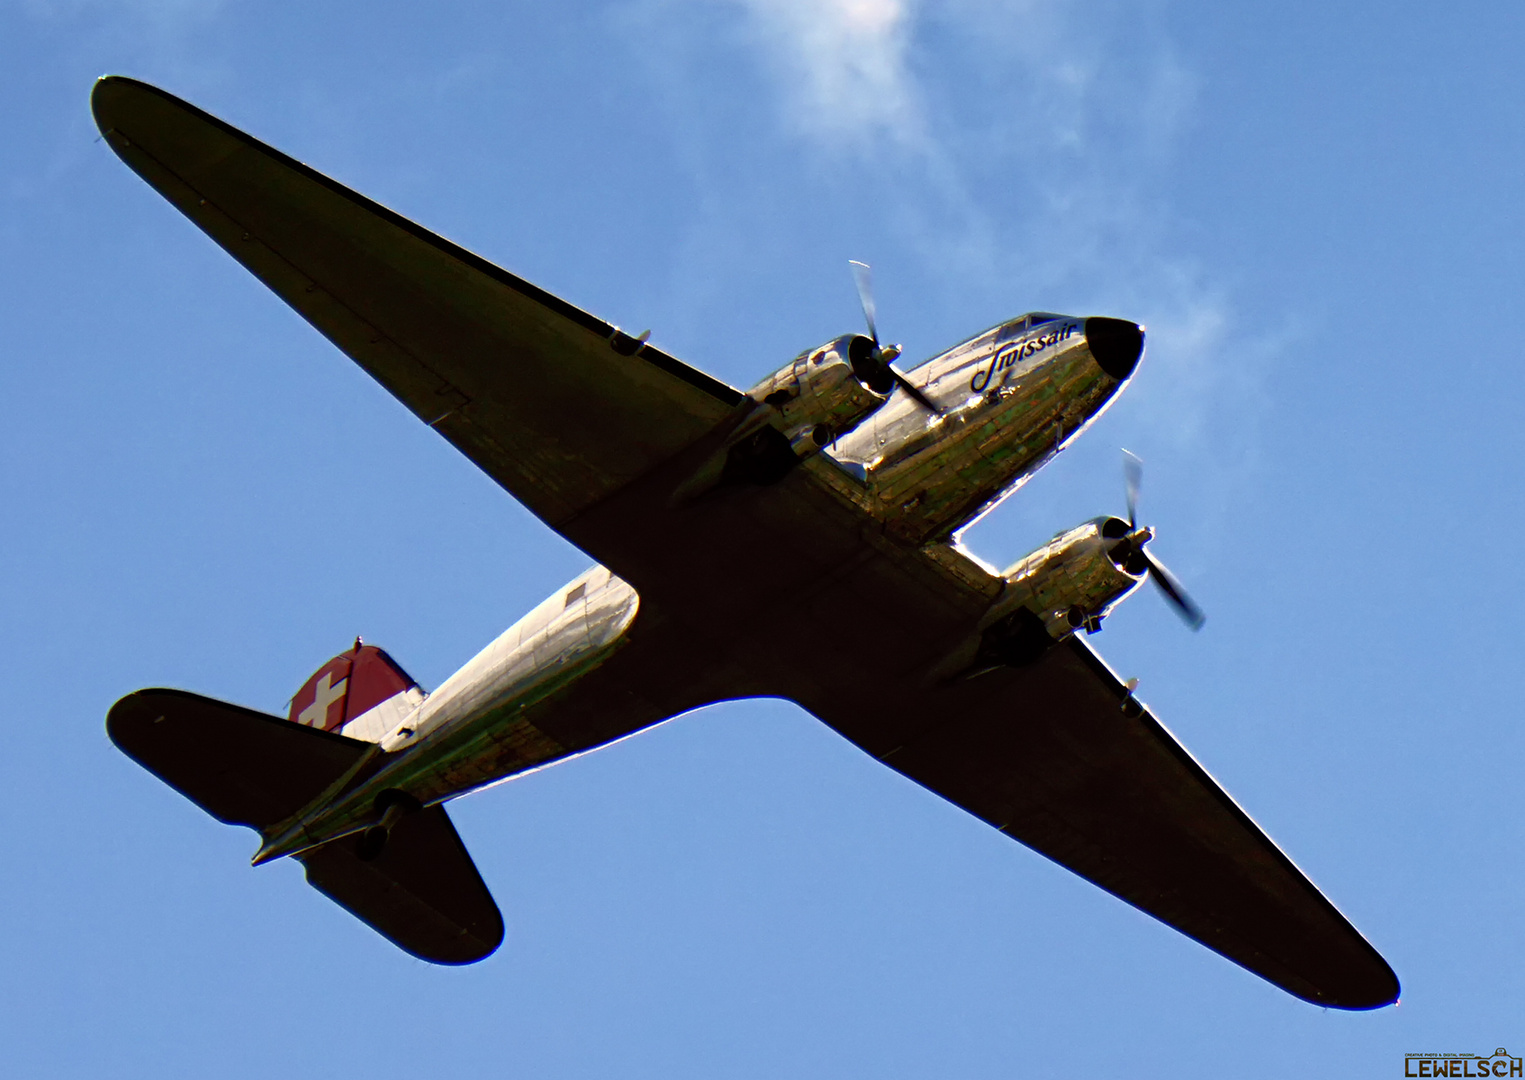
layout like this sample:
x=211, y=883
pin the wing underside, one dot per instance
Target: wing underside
x=554, y=404
x=1048, y=755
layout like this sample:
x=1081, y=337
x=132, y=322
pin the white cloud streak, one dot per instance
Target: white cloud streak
x=842, y=65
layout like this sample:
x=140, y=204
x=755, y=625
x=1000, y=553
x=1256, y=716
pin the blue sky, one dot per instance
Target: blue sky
x=1315, y=208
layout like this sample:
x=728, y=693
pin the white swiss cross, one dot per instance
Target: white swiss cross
x=324, y=695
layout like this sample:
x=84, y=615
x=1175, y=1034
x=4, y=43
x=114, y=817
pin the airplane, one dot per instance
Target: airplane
x=800, y=540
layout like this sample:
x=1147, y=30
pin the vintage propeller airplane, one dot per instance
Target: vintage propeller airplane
x=799, y=540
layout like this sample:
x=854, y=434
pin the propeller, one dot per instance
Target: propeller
x=879, y=360
x=1137, y=557
x=1133, y=478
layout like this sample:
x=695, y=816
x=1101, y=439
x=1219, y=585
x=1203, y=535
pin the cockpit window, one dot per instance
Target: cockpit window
x=1018, y=327
x=1003, y=332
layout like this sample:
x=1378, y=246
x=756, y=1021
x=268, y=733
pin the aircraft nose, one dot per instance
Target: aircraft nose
x=1116, y=344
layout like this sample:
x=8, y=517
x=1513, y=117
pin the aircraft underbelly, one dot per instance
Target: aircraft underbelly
x=737, y=599
x=666, y=664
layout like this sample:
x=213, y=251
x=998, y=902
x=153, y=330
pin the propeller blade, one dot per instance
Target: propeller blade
x=864, y=278
x=1174, y=592
x=916, y=395
x=1133, y=477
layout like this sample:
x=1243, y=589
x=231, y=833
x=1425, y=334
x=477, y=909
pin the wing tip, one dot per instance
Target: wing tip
x=108, y=94
x=1375, y=988
x=114, y=99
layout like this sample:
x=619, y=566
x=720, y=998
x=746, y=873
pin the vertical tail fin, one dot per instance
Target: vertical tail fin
x=361, y=693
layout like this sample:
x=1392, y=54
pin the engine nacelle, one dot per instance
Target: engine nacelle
x=1072, y=582
x=824, y=393
x=819, y=396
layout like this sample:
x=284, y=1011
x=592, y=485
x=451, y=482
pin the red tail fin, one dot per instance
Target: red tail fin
x=361, y=693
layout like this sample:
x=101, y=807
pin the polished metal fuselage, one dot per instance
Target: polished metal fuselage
x=1009, y=399
x=474, y=728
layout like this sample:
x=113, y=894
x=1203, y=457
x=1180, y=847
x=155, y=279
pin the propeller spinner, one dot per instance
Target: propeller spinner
x=873, y=366
x=1132, y=552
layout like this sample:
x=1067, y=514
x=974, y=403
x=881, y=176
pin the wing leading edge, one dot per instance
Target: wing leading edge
x=554, y=404
x=1048, y=755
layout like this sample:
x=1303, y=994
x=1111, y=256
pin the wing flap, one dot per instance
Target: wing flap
x=422, y=892
x=553, y=403
x=1048, y=755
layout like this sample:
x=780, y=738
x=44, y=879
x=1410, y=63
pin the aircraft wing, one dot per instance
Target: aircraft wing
x=1048, y=755
x=554, y=404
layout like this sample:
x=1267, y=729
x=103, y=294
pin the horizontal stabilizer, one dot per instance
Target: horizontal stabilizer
x=242, y=767
x=422, y=892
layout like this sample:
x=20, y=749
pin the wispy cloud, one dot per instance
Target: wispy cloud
x=842, y=64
